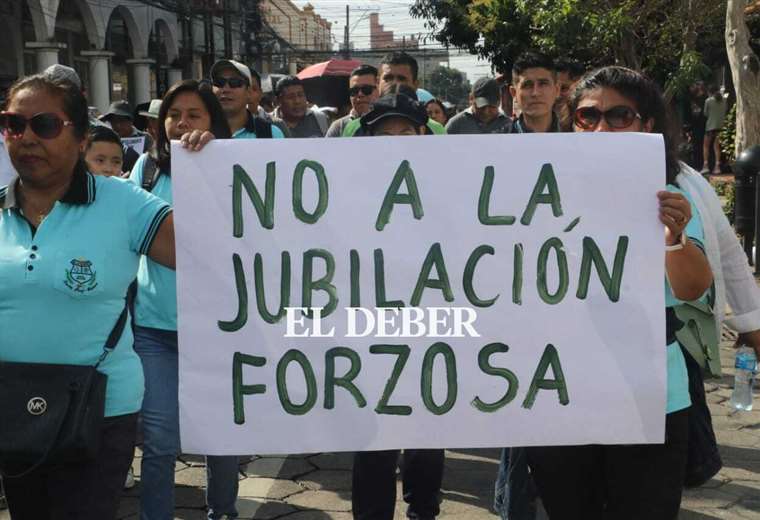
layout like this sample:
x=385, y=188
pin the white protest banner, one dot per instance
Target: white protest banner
x=530, y=269
x=135, y=143
x=7, y=172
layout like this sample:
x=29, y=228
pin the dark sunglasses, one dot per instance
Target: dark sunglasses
x=232, y=82
x=364, y=89
x=617, y=117
x=46, y=126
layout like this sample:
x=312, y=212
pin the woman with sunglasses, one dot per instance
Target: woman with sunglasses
x=70, y=244
x=188, y=106
x=641, y=482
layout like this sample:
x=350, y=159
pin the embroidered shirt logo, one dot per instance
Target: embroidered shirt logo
x=81, y=278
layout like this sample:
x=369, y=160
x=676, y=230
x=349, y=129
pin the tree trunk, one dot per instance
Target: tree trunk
x=689, y=29
x=745, y=71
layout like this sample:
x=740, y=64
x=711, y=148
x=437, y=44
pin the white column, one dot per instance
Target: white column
x=293, y=68
x=99, y=94
x=141, y=78
x=46, y=53
x=174, y=76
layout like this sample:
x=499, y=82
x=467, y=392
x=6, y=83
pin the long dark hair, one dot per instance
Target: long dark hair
x=649, y=102
x=219, y=126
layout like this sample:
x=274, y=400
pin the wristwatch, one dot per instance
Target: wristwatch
x=679, y=245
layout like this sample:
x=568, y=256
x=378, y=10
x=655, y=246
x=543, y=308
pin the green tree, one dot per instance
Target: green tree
x=657, y=36
x=449, y=84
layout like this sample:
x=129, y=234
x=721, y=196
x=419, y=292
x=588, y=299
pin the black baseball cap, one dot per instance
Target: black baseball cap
x=395, y=105
x=487, y=92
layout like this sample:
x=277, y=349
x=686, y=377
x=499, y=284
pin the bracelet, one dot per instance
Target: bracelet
x=680, y=245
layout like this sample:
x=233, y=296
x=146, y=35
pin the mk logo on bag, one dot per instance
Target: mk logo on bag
x=36, y=406
x=81, y=278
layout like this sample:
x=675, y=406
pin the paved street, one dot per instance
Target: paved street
x=317, y=487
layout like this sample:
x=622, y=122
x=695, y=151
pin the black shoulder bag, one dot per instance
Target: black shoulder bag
x=52, y=414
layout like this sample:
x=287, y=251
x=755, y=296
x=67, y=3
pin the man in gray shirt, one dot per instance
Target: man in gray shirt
x=294, y=111
x=483, y=115
x=362, y=91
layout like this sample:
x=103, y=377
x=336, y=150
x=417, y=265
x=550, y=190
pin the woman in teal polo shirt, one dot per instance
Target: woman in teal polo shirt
x=634, y=481
x=70, y=244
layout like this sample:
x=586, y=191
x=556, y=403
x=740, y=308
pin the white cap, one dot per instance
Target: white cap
x=153, y=109
x=243, y=70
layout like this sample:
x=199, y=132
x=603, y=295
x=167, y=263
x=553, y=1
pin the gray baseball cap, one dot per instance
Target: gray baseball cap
x=487, y=92
x=60, y=72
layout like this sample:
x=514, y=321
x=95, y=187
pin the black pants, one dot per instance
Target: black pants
x=87, y=491
x=373, y=495
x=619, y=482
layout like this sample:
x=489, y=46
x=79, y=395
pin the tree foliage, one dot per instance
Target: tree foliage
x=449, y=84
x=650, y=35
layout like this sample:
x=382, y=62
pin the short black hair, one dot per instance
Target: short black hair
x=532, y=60
x=364, y=70
x=103, y=134
x=287, y=81
x=401, y=58
x=573, y=68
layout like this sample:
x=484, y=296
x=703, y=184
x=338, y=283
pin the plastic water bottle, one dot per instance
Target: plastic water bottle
x=746, y=367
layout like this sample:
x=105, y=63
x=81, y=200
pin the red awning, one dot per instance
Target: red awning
x=329, y=68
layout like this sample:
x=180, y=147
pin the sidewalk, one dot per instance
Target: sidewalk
x=318, y=487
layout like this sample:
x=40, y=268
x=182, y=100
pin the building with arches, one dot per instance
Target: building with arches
x=132, y=49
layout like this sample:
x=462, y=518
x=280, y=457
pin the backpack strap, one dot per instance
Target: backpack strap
x=150, y=173
x=321, y=121
x=262, y=128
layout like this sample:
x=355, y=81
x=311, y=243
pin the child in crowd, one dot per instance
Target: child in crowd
x=104, y=154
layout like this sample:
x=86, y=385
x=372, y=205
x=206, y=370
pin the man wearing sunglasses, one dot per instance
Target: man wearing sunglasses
x=362, y=91
x=235, y=87
x=535, y=89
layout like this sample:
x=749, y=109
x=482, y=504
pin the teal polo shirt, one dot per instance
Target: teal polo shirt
x=156, y=302
x=678, y=376
x=63, y=284
x=249, y=130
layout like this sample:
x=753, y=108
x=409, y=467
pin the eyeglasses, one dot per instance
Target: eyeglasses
x=46, y=125
x=232, y=82
x=617, y=117
x=364, y=89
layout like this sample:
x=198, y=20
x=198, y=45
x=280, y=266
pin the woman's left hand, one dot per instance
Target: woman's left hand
x=675, y=213
x=195, y=141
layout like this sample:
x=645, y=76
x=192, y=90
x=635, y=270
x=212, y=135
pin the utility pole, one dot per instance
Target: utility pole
x=228, y=51
x=346, y=50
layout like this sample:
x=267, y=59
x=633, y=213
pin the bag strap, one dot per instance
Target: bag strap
x=150, y=173
x=116, y=332
x=262, y=128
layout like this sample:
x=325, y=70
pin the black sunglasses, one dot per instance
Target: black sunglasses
x=232, y=82
x=46, y=125
x=364, y=89
x=617, y=117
